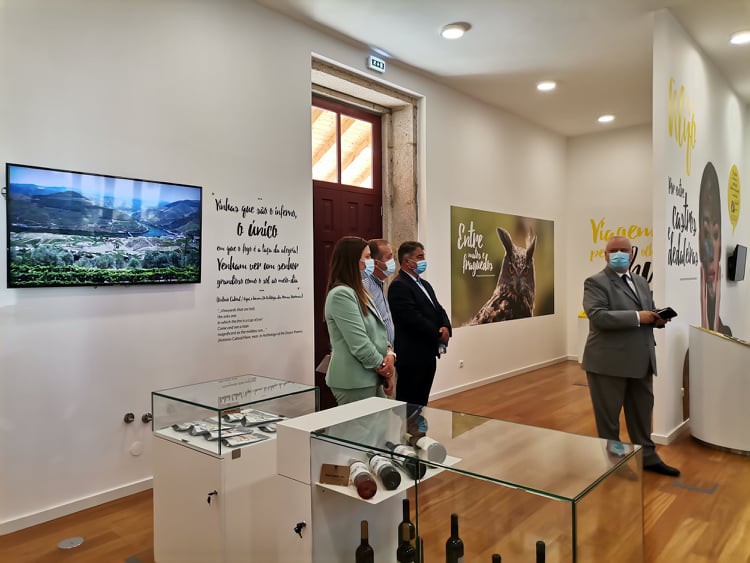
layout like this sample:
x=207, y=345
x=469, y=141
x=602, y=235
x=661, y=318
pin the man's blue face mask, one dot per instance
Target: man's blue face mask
x=619, y=260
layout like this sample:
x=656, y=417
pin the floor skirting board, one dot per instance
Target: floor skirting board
x=34, y=518
x=497, y=377
x=666, y=439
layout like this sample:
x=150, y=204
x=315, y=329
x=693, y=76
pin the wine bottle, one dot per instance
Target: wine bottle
x=386, y=471
x=405, y=457
x=364, y=553
x=427, y=448
x=406, y=522
x=496, y=558
x=454, y=547
x=405, y=552
x=362, y=479
x=541, y=551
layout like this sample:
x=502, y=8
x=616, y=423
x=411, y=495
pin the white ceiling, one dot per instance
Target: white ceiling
x=599, y=51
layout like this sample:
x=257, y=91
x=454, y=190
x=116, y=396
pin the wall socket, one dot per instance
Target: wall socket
x=460, y=363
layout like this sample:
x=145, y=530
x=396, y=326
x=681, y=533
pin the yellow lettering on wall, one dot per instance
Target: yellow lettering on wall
x=600, y=232
x=681, y=121
x=733, y=196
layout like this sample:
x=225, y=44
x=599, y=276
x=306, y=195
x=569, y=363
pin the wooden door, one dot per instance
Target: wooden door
x=347, y=197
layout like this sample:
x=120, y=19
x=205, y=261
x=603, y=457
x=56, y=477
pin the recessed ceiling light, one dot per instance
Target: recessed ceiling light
x=546, y=85
x=740, y=38
x=455, y=30
x=606, y=118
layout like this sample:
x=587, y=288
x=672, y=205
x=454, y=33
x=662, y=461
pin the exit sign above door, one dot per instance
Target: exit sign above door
x=375, y=63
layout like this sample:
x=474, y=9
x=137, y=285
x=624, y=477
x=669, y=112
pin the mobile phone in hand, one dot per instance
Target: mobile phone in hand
x=666, y=313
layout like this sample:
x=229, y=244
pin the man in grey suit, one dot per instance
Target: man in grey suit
x=619, y=357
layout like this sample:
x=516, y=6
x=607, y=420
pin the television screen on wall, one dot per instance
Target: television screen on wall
x=75, y=229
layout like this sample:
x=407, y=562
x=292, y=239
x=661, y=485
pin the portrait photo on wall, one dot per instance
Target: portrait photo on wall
x=502, y=267
x=710, y=250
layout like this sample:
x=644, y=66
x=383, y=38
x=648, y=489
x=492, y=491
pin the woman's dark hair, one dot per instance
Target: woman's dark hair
x=344, y=269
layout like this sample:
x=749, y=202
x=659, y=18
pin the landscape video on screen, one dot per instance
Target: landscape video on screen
x=71, y=228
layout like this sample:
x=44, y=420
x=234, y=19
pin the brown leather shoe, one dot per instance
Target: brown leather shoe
x=662, y=468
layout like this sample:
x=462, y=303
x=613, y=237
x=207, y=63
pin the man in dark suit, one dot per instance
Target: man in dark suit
x=619, y=357
x=422, y=326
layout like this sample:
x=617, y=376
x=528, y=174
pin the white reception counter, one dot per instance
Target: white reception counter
x=720, y=390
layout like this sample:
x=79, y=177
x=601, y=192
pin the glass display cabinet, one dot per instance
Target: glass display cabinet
x=510, y=485
x=215, y=466
x=224, y=414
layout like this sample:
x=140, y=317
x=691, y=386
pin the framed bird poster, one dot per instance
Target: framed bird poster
x=502, y=267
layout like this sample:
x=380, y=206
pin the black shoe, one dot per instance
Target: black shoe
x=662, y=468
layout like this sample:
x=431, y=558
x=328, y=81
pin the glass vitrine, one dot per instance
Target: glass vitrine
x=225, y=414
x=511, y=486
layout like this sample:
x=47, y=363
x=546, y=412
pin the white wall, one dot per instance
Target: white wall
x=719, y=136
x=483, y=159
x=608, y=192
x=216, y=94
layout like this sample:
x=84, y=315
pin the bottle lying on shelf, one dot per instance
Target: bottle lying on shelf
x=454, y=547
x=385, y=470
x=364, y=553
x=405, y=457
x=362, y=479
x=426, y=447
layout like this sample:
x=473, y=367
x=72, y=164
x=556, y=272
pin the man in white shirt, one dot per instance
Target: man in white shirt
x=385, y=266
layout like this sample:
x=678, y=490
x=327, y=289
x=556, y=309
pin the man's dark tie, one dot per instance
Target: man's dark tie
x=627, y=283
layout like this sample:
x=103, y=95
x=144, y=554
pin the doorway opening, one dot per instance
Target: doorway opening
x=363, y=174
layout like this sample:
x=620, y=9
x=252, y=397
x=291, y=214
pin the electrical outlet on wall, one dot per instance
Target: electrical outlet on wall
x=460, y=363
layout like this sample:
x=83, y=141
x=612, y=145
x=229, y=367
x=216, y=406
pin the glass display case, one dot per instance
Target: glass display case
x=214, y=460
x=224, y=414
x=511, y=487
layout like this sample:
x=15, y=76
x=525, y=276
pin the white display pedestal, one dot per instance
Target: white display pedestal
x=237, y=526
x=327, y=512
x=719, y=390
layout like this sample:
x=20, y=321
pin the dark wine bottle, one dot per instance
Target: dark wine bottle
x=406, y=457
x=406, y=522
x=364, y=553
x=427, y=448
x=496, y=558
x=454, y=547
x=386, y=471
x=362, y=479
x=405, y=552
x=541, y=552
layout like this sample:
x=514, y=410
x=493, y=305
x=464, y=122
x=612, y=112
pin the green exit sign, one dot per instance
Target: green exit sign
x=375, y=63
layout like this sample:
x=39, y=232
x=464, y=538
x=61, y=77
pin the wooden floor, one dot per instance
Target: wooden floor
x=702, y=517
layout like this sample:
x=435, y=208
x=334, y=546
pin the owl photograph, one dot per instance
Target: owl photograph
x=502, y=267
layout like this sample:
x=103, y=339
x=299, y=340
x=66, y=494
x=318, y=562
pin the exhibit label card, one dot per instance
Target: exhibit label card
x=331, y=474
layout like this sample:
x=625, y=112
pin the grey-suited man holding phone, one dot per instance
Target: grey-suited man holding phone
x=619, y=357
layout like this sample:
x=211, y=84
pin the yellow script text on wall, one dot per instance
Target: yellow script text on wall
x=681, y=121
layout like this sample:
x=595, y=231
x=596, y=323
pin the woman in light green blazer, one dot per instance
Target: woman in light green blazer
x=361, y=358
